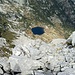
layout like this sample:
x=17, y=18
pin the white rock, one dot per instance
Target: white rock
x=29, y=54
x=3, y=62
x=39, y=72
x=71, y=39
x=62, y=73
x=68, y=71
x=20, y=1
x=1, y=10
x=39, y=53
x=37, y=43
x=64, y=68
x=26, y=65
x=58, y=41
x=74, y=65
x=48, y=73
x=2, y=42
x=17, y=51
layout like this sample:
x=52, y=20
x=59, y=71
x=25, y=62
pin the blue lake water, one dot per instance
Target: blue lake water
x=38, y=30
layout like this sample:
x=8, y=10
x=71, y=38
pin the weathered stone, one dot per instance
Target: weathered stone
x=71, y=39
x=2, y=42
x=30, y=64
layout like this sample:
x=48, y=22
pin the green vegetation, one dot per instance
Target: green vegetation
x=42, y=11
x=4, y=31
x=4, y=52
x=9, y=36
x=3, y=24
x=68, y=30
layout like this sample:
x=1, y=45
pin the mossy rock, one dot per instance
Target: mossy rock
x=11, y=46
x=9, y=36
x=4, y=52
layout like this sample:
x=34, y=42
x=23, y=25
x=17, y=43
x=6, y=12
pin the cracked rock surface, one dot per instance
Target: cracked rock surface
x=35, y=57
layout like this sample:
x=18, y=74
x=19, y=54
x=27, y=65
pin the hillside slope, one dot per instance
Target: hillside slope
x=17, y=19
x=24, y=53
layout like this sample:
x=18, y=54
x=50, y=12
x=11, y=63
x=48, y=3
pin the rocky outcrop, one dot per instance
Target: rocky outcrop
x=36, y=57
x=71, y=39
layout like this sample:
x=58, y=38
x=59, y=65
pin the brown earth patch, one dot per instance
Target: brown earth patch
x=50, y=33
